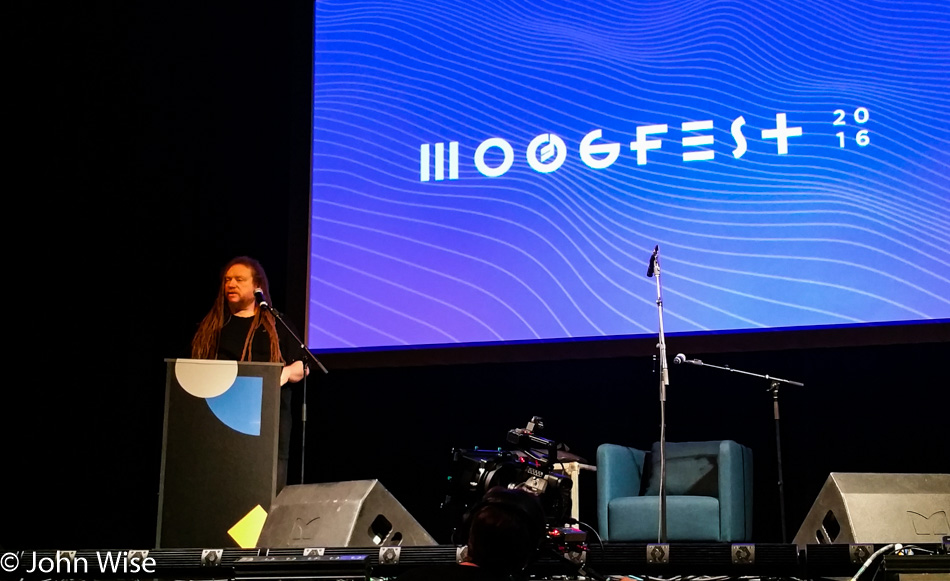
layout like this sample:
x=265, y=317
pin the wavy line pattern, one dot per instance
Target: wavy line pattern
x=829, y=233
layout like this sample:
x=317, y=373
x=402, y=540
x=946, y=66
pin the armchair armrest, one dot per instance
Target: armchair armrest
x=619, y=473
x=735, y=491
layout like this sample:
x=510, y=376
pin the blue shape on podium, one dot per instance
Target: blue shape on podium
x=239, y=407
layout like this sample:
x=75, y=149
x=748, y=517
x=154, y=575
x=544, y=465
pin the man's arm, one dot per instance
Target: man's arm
x=293, y=372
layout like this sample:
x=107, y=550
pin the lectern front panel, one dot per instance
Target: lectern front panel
x=219, y=452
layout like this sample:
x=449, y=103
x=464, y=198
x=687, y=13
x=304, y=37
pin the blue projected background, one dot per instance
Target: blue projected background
x=501, y=171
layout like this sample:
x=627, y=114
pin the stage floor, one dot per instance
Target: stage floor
x=616, y=560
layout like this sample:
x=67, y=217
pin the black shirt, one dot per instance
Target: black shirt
x=234, y=333
x=231, y=346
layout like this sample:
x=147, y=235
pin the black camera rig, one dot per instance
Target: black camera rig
x=527, y=463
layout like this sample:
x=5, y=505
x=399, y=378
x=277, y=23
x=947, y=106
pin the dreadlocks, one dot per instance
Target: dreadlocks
x=204, y=345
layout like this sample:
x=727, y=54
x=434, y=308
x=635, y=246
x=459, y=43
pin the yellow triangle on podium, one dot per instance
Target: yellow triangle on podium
x=247, y=530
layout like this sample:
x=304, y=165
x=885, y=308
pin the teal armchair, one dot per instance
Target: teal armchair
x=708, y=492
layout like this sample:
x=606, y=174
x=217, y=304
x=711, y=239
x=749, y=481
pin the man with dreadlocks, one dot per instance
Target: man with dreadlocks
x=237, y=329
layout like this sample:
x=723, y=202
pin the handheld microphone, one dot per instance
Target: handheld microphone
x=652, y=265
x=259, y=297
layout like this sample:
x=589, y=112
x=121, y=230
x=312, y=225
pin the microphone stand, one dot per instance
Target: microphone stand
x=303, y=407
x=654, y=269
x=774, y=384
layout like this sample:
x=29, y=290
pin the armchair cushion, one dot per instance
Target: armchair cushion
x=688, y=518
x=708, y=492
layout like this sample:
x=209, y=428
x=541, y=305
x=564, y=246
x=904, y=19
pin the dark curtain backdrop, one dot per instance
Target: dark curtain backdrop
x=158, y=141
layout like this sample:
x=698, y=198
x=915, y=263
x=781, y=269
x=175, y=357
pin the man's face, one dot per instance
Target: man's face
x=239, y=287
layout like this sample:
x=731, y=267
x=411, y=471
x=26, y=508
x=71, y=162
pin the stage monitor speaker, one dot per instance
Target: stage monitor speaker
x=878, y=508
x=359, y=513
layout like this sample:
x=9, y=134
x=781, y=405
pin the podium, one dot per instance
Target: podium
x=219, y=451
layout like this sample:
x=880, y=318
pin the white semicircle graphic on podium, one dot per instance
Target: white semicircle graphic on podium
x=206, y=378
x=235, y=401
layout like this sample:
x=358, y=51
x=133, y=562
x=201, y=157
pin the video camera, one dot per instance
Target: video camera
x=528, y=464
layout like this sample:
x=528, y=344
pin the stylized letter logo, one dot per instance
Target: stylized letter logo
x=483, y=147
x=642, y=144
x=736, y=131
x=588, y=150
x=697, y=140
x=439, y=161
x=554, y=147
x=781, y=133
